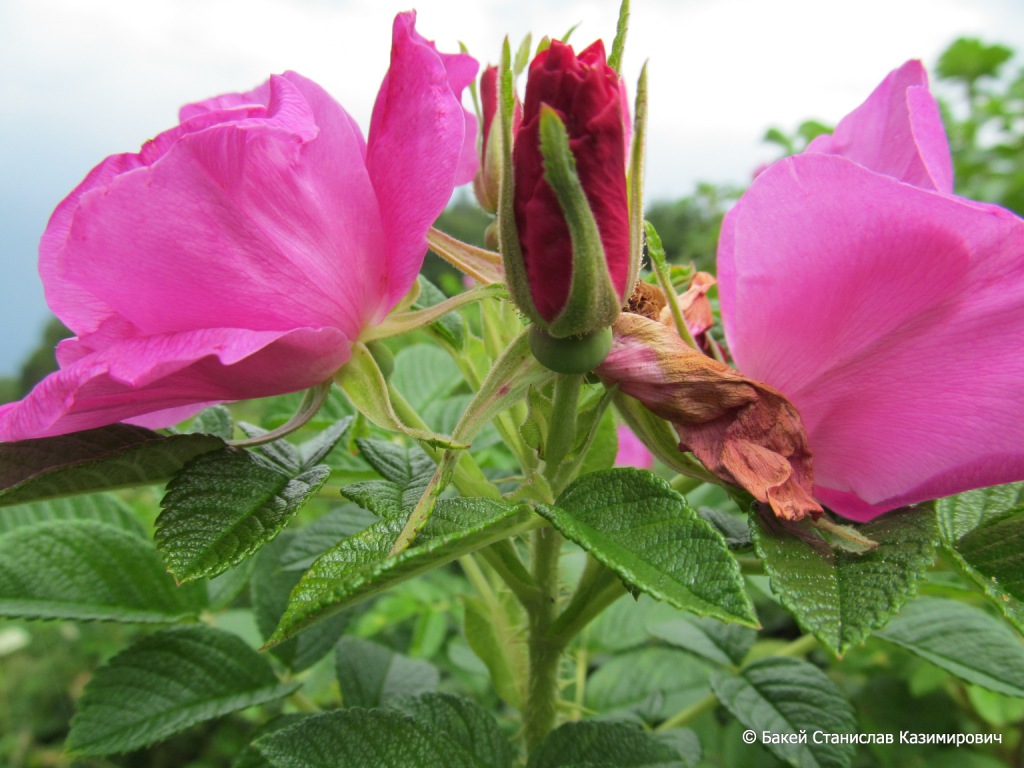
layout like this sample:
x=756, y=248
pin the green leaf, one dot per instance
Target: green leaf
x=652, y=682
x=118, y=456
x=969, y=59
x=87, y=570
x=310, y=542
x=963, y=640
x=223, y=589
x=269, y=589
x=983, y=530
x=405, y=467
x=838, y=596
x=781, y=696
x=165, y=683
x=588, y=744
x=424, y=374
x=605, y=445
x=280, y=453
x=962, y=514
x=372, y=675
x=215, y=420
x=360, y=566
x=316, y=449
x=101, y=507
x=432, y=731
x=723, y=644
x=223, y=507
x=406, y=473
x=637, y=525
x=450, y=326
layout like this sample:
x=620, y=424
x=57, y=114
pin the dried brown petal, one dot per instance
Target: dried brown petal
x=743, y=431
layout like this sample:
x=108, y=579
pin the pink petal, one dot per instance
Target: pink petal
x=891, y=317
x=421, y=144
x=258, y=224
x=632, y=452
x=175, y=374
x=897, y=131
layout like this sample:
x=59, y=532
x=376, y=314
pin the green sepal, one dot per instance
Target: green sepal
x=362, y=380
x=508, y=236
x=593, y=302
x=635, y=179
x=615, y=57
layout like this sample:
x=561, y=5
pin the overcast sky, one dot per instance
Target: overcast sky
x=83, y=80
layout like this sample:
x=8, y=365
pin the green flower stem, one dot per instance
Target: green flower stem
x=599, y=587
x=689, y=714
x=542, y=693
x=562, y=430
x=303, y=703
x=799, y=647
x=479, y=580
x=685, y=484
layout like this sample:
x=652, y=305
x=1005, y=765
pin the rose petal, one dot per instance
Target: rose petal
x=891, y=317
x=421, y=144
x=897, y=131
x=176, y=373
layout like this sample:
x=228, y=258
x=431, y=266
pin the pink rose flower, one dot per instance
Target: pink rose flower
x=887, y=309
x=241, y=253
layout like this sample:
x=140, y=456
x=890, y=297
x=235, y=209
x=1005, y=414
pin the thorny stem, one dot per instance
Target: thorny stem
x=545, y=652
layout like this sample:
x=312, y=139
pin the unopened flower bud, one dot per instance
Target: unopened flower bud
x=567, y=249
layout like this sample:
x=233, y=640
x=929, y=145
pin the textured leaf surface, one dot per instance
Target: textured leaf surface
x=838, y=596
x=101, y=507
x=785, y=696
x=963, y=640
x=580, y=745
x=360, y=566
x=984, y=531
x=87, y=570
x=223, y=507
x=316, y=449
x=425, y=374
x=101, y=459
x=372, y=675
x=405, y=473
x=313, y=540
x=652, y=682
x=433, y=731
x=269, y=589
x=716, y=641
x=637, y=525
x=215, y=420
x=167, y=682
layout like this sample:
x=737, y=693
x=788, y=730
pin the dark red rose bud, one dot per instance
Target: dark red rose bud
x=587, y=97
